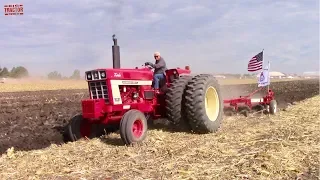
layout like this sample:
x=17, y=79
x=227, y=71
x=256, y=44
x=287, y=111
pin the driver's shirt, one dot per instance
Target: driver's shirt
x=160, y=66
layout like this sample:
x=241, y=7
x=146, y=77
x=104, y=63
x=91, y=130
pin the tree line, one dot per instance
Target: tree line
x=55, y=75
x=21, y=72
x=15, y=72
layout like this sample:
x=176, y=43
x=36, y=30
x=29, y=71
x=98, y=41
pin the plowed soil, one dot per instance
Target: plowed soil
x=33, y=120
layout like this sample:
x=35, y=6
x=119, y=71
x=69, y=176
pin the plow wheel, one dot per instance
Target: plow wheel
x=79, y=128
x=273, y=107
x=204, y=105
x=175, y=100
x=133, y=127
x=244, y=110
x=229, y=111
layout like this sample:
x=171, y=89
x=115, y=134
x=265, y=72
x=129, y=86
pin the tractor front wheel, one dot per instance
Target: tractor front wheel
x=133, y=127
x=79, y=128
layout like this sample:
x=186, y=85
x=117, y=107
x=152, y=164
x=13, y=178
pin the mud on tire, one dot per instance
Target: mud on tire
x=198, y=110
x=175, y=101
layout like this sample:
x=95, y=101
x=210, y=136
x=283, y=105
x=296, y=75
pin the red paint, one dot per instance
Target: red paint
x=137, y=128
x=85, y=128
x=13, y=9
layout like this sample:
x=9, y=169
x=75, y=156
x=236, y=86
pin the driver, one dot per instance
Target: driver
x=159, y=69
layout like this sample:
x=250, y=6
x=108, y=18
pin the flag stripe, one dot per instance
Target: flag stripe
x=254, y=63
x=254, y=69
x=255, y=66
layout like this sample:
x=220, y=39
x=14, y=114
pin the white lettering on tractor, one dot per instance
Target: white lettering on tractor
x=116, y=74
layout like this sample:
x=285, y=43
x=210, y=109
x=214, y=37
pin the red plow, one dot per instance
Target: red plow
x=247, y=104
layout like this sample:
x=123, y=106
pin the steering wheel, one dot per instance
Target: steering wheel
x=148, y=66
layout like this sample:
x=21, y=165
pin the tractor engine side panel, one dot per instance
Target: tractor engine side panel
x=128, y=91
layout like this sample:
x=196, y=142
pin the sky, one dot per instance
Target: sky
x=211, y=36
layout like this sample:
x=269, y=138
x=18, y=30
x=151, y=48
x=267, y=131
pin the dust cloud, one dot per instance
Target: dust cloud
x=235, y=91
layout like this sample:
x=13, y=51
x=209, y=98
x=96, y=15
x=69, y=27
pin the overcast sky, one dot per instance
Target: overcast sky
x=211, y=36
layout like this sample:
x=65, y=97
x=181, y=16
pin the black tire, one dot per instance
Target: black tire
x=229, y=111
x=126, y=126
x=175, y=101
x=244, y=110
x=195, y=104
x=273, y=107
x=73, y=131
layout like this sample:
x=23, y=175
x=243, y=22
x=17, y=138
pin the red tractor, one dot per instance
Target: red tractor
x=124, y=100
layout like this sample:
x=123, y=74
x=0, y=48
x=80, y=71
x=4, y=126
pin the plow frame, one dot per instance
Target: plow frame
x=248, y=102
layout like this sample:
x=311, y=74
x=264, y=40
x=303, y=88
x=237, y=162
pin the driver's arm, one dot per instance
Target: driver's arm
x=159, y=65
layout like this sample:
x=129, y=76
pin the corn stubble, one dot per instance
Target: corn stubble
x=284, y=146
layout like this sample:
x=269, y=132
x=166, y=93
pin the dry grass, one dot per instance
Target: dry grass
x=36, y=85
x=39, y=84
x=285, y=146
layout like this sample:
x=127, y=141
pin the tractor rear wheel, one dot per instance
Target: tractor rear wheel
x=133, y=127
x=204, y=105
x=79, y=128
x=175, y=100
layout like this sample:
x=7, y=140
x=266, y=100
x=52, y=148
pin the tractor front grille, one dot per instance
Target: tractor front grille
x=98, y=90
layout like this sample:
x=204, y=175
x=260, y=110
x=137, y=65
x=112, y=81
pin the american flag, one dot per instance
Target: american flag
x=255, y=62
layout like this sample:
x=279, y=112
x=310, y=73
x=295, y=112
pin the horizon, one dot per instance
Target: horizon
x=211, y=37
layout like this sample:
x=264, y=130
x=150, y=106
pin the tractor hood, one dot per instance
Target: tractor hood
x=123, y=74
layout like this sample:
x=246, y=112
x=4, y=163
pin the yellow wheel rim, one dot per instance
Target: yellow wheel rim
x=212, y=103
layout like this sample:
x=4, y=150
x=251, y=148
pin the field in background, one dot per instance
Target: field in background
x=13, y=85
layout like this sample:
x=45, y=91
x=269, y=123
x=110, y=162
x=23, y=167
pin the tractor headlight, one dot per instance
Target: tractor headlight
x=103, y=74
x=89, y=76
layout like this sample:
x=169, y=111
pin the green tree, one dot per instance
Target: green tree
x=76, y=74
x=19, y=72
x=4, y=72
x=54, y=75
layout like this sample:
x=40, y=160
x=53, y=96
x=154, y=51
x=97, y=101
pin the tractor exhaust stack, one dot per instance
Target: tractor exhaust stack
x=115, y=53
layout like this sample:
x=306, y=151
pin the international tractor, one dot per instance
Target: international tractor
x=124, y=100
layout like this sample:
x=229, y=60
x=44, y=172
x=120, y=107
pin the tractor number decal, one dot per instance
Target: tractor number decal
x=116, y=74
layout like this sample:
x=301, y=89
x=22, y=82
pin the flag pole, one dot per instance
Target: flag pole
x=268, y=71
x=269, y=75
x=263, y=69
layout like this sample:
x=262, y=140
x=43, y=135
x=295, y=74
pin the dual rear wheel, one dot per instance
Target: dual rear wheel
x=195, y=102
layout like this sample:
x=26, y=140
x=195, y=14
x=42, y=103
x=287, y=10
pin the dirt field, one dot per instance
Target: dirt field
x=37, y=84
x=257, y=148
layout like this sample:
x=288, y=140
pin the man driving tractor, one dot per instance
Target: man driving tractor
x=159, y=69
